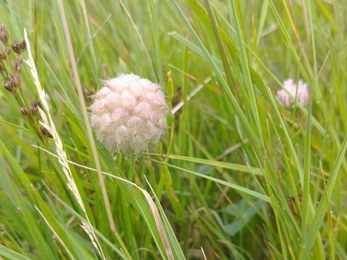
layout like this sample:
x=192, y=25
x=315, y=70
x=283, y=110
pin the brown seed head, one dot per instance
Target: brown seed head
x=9, y=86
x=16, y=47
x=35, y=103
x=3, y=55
x=12, y=80
x=17, y=65
x=3, y=28
x=34, y=110
x=3, y=34
x=23, y=45
x=43, y=130
x=24, y=111
x=4, y=37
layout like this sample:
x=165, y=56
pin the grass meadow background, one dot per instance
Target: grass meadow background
x=236, y=177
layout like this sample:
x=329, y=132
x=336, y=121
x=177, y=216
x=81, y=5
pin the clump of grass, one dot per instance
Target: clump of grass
x=238, y=176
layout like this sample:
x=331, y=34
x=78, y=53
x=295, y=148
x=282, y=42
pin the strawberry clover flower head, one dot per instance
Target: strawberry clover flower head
x=297, y=91
x=129, y=114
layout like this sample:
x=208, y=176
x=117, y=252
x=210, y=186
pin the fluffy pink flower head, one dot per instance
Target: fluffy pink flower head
x=129, y=114
x=299, y=91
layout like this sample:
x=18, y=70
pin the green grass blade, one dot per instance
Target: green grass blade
x=10, y=254
x=321, y=210
x=225, y=183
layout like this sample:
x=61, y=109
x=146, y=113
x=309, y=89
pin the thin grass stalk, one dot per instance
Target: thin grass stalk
x=137, y=31
x=288, y=40
x=221, y=47
x=153, y=8
x=228, y=184
x=55, y=234
x=88, y=127
x=48, y=124
x=220, y=77
x=85, y=17
x=313, y=233
x=305, y=213
x=246, y=72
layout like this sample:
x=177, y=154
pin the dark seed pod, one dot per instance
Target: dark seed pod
x=23, y=45
x=3, y=28
x=10, y=86
x=12, y=81
x=3, y=55
x=34, y=103
x=17, y=65
x=34, y=110
x=4, y=37
x=7, y=86
x=43, y=130
x=24, y=111
x=3, y=34
x=16, y=47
